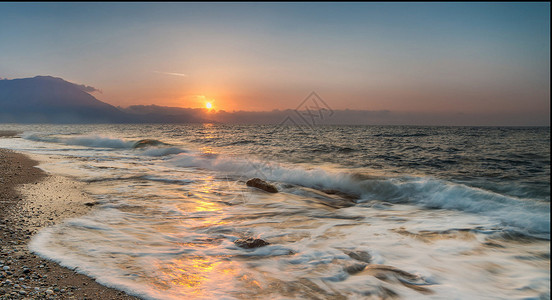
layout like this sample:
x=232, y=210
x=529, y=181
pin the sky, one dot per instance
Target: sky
x=410, y=58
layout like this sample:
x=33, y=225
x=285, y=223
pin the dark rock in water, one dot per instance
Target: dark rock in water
x=147, y=143
x=360, y=256
x=386, y=293
x=356, y=268
x=331, y=200
x=90, y=203
x=261, y=184
x=330, y=191
x=249, y=243
x=341, y=194
x=389, y=273
x=381, y=269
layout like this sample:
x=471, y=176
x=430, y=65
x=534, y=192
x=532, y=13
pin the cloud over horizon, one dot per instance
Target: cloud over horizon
x=293, y=117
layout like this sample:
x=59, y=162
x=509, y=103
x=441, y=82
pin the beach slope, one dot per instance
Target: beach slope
x=30, y=199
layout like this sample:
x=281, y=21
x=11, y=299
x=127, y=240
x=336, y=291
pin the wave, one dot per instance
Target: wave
x=527, y=215
x=86, y=140
x=157, y=148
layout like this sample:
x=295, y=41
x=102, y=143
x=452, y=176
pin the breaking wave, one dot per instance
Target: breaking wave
x=96, y=141
x=529, y=216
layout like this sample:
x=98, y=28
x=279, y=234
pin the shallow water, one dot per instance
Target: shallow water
x=363, y=211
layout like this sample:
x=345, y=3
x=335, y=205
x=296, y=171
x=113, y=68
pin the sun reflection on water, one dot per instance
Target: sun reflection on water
x=197, y=276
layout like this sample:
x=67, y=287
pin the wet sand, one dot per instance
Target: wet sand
x=30, y=200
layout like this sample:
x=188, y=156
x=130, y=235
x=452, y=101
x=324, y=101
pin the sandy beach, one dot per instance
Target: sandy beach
x=30, y=200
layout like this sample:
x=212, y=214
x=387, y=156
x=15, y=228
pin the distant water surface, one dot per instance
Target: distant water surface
x=362, y=212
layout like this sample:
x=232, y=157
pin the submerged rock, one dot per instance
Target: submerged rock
x=389, y=274
x=341, y=194
x=362, y=256
x=261, y=184
x=355, y=268
x=249, y=243
x=333, y=201
x=147, y=143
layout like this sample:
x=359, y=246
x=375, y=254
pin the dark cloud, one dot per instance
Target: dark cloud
x=338, y=117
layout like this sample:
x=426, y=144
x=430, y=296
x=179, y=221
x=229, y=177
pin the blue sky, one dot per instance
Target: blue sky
x=409, y=57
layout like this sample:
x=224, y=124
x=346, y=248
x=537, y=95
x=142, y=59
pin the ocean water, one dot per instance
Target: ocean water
x=362, y=211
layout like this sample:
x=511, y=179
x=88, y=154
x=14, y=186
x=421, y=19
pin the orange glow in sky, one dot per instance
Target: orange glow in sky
x=468, y=60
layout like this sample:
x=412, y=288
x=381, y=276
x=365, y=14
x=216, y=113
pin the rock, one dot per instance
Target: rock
x=261, y=184
x=340, y=194
x=360, y=256
x=354, y=269
x=90, y=204
x=147, y=143
x=386, y=293
x=409, y=280
x=249, y=243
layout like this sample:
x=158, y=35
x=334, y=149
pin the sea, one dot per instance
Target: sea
x=362, y=212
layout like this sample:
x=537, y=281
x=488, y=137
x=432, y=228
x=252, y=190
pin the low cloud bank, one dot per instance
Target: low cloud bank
x=155, y=113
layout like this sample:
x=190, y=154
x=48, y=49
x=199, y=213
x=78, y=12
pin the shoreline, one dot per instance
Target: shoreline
x=31, y=199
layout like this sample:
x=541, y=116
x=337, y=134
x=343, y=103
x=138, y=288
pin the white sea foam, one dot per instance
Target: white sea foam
x=87, y=140
x=526, y=215
x=42, y=244
x=97, y=141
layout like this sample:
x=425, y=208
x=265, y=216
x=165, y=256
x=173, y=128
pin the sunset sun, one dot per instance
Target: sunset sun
x=208, y=105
